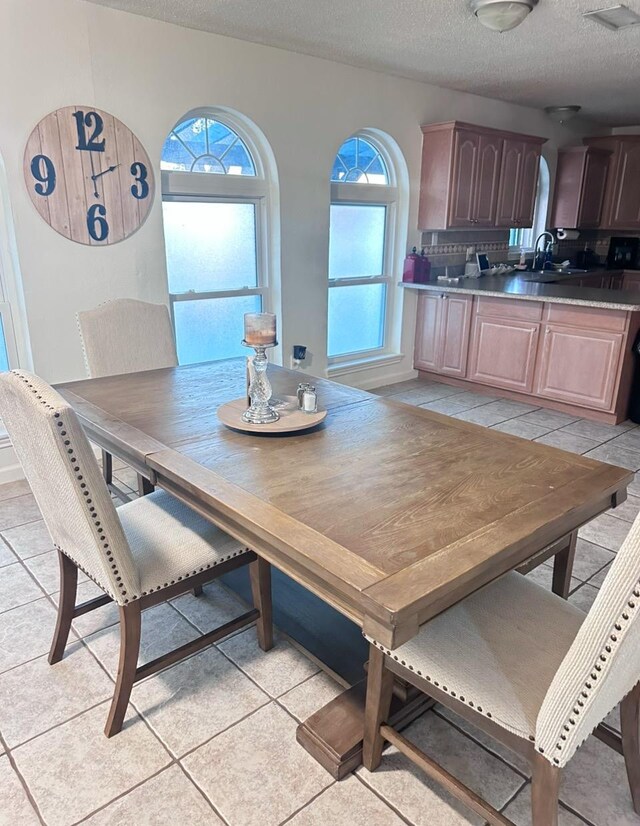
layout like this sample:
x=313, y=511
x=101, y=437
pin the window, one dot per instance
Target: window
x=215, y=202
x=362, y=225
x=525, y=238
x=15, y=350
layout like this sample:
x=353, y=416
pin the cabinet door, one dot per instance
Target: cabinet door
x=463, y=185
x=427, y=355
x=509, y=187
x=488, y=177
x=528, y=185
x=592, y=199
x=631, y=282
x=625, y=204
x=454, y=334
x=504, y=353
x=579, y=366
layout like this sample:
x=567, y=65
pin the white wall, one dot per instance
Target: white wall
x=55, y=53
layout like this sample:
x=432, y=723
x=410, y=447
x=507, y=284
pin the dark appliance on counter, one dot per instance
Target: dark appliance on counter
x=623, y=253
x=587, y=259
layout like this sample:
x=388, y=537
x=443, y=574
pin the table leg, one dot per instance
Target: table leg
x=334, y=734
x=563, y=567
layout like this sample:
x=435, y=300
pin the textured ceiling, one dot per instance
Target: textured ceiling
x=554, y=57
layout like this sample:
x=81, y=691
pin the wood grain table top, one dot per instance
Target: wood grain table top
x=390, y=512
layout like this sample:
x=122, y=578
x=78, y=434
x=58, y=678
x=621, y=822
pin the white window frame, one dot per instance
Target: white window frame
x=211, y=187
x=386, y=195
x=523, y=238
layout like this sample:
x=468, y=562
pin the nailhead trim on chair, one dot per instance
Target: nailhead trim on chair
x=95, y=518
x=597, y=669
x=444, y=688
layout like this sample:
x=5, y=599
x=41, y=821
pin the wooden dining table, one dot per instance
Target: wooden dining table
x=389, y=513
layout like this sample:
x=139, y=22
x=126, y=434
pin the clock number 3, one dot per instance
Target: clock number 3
x=44, y=172
x=85, y=121
x=97, y=223
x=140, y=189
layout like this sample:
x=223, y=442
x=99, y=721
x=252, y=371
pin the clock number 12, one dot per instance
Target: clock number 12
x=85, y=121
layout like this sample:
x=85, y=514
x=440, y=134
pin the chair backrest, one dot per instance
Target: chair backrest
x=126, y=336
x=603, y=663
x=64, y=476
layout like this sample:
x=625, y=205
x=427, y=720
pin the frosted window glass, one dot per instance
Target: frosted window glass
x=356, y=318
x=210, y=246
x=4, y=356
x=212, y=328
x=356, y=240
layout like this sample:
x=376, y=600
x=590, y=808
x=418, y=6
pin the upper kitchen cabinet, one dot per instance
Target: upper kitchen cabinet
x=622, y=193
x=581, y=180
x=476, y=177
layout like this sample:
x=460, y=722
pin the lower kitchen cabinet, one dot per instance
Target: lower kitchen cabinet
x=569, y=357
x=579, y=366
x=442, y=339
x=503, y=353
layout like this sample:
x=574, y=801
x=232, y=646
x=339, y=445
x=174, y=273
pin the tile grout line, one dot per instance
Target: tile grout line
x=23, y=782
x=311, y=800
x=485, y=748
x=375, y=792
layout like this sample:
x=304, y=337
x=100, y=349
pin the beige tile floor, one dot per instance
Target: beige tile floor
x=212, y=740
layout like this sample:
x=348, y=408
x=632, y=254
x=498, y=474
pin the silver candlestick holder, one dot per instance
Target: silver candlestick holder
x=260, y=410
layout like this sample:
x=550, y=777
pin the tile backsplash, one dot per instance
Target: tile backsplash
x=447, y=250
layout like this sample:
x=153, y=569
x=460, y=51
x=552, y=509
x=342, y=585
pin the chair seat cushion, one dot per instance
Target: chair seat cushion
x=170, y=542
x=497, y=651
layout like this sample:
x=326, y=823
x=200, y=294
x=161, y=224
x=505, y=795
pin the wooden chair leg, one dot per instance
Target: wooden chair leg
x=260, y=576
x=144, y=486
x=545, y=791
x=107, y=467
x=563, y=568
x=197, y=591
x=379, y=692
x=630, y=731
x=130, y=627
x=66, y=607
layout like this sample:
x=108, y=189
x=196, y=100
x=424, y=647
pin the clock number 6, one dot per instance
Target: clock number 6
x=140, y=189
x=97, y=223
x=44, y=171
x=90, y=120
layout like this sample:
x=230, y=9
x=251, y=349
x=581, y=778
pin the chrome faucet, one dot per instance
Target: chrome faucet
x=549, y=243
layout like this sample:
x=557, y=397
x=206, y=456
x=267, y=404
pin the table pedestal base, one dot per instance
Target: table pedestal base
x=333, y=735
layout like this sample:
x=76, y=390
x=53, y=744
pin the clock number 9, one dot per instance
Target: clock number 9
x=97, y=223
x=140, y=189
x=90, y=120
x=43, y=170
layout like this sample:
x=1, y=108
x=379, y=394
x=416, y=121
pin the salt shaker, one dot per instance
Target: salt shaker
x=310, y=400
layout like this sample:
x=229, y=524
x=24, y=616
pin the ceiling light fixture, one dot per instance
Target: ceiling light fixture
x=614, y=17
x=561, y=114
x=502, y=15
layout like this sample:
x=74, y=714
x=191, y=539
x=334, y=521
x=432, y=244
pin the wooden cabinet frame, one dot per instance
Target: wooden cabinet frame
x=465, y=182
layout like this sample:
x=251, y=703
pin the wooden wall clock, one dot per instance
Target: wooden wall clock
x=88, y=175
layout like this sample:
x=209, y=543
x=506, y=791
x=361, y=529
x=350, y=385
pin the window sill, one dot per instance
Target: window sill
x=343, y=368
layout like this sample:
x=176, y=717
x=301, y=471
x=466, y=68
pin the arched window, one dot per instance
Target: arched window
x=217, y=183
x=363, y=228
x=524, y=239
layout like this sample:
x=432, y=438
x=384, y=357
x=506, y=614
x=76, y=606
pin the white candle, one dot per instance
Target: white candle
x=260, y=329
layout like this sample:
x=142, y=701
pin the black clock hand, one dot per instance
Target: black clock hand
x=104, y=172
x=95, y=188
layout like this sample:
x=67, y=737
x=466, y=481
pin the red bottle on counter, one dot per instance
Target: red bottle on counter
x=417, y=268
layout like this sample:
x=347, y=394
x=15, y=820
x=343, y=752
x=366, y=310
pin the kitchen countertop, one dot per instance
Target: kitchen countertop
x=522, y=286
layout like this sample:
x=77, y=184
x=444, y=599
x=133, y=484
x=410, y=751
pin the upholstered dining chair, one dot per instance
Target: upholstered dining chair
x=528, y=668
x=148, y=551
x=126, y=336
